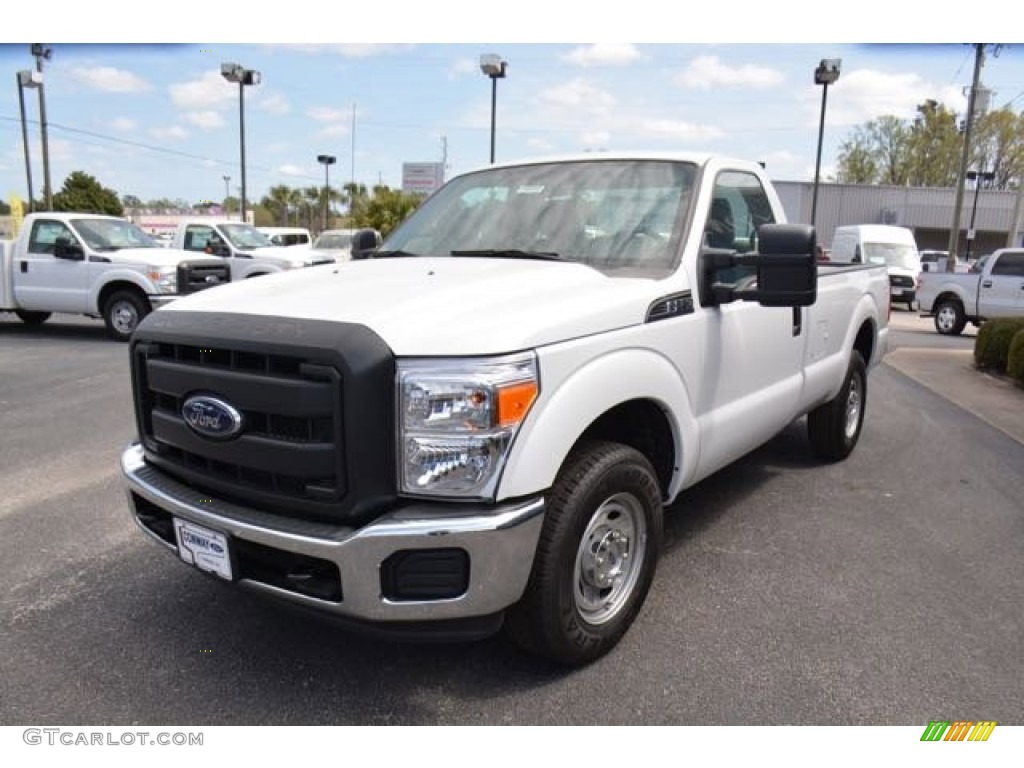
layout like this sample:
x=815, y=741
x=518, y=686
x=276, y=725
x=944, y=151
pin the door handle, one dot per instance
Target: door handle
x=986, y=284
x=798, y=319
x=24, y=267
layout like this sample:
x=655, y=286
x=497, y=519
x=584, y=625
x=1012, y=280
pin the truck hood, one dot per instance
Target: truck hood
x=156, y=257
x=447, y=306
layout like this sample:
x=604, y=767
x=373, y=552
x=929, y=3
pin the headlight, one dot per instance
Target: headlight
x=165, y=279
x=458, y=419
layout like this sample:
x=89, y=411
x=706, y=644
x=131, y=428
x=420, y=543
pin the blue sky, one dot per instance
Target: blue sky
x=157, y=120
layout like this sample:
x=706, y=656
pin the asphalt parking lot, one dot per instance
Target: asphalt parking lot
x=881, y=590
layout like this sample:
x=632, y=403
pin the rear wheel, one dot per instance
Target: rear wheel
x=950, y=318
x=123, y=312
x=32, y=318
x=596, y=557
x=834, y=427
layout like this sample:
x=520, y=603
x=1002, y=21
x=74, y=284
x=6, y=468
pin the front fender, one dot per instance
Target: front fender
x=573, y=398
x=119, y=275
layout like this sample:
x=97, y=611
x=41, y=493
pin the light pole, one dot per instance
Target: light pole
x=27, y=79
x=227, y=192
x=327, y=161
x=236, y=73
x=43, y=53
x=826, y=74
x=492, y=65
x=977, y=177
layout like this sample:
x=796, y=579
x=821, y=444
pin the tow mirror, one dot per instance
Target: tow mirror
x=66, y=248
x=785, y=265
x=364, y=242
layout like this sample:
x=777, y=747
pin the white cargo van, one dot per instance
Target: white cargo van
x=881, y=244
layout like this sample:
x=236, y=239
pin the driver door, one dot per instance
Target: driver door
x=45, y=283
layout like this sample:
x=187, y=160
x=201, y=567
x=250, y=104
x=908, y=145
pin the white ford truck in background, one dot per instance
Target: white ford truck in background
x=95, y=265
x=249, y=252
x=993, y=288
x=483, y=422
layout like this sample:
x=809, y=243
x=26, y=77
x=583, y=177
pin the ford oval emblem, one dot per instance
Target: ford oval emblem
x=212, y=417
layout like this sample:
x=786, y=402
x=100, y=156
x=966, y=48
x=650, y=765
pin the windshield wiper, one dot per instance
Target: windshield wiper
x=390, y=254
x=511, y=253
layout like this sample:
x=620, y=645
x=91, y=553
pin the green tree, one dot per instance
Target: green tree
x=131, y=202
x=999, y=146
x=926, y=151
x=82, y=193
x=385, y=210
x=857, y=163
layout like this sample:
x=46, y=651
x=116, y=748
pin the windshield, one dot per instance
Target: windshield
x=617, y=216
x=244, y=236
x=893, y=255
x=111, y=234
x=333, y=241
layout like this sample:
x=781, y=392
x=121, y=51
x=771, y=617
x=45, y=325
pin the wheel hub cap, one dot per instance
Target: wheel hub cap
x=609, y=558
x=852, y=409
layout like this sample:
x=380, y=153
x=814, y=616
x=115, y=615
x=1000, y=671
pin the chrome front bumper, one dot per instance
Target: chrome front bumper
x=499, y=539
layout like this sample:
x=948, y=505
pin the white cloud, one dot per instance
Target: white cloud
x=289, y=169
x=464, y=66
x=123, y=124
x=173, y=132
x=679, y=130
x=329, y=114
x=867, y=94
x=603, y=54
x=348, y=50
x=338, y=129
x=208, y=92
x=274, y=103
x=596, y=139
x=540, y=145
x=705, y=72
x=205, y=119
x=109, y=79
x=578, y=94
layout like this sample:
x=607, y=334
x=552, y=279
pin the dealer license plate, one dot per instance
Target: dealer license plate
x=897, y=292
x=205, y=549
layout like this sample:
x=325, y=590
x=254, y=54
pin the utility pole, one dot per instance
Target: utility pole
x=954, y=234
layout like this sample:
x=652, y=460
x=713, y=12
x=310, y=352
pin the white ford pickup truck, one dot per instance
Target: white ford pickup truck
x=483, y=422
x=249, y=252
x=993, y=288
x=96, y=265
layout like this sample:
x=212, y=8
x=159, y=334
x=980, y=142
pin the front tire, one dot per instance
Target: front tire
x=32, y=318
x=834, y=427
x=596, y=557
x=123, y=312
x=950, y=318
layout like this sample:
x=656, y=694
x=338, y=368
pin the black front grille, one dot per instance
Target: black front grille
x=901, y=281
x=291, y=456
x=193, y=277
x=289, y=447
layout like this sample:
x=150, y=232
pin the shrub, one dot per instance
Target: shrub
x=1015, y=358
x=992, y=346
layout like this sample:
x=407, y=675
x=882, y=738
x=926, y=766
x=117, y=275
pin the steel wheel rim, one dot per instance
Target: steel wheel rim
x=853, y=406
x=610, y=558
x=945, y=318
x=124, y=317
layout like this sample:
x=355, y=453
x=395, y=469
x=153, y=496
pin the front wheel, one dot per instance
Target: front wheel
x=834, y=427
x=32, y=318
x=950, y=318
x=596, y=557
x=123, y=312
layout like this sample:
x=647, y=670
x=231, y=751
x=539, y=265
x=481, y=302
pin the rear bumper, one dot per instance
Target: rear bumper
x=498, y=540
